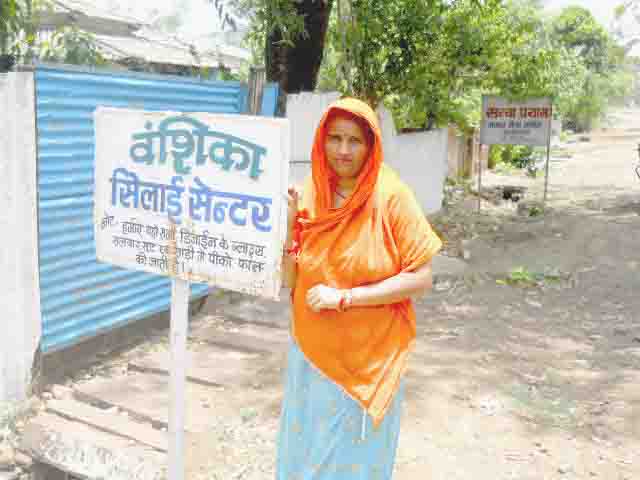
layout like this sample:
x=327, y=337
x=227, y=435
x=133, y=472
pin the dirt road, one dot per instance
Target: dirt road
x=538, y=381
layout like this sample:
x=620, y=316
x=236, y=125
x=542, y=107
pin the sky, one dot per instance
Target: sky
x=200, y=17
x=602, y=10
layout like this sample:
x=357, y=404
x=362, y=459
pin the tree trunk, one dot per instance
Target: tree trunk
x=295, y=67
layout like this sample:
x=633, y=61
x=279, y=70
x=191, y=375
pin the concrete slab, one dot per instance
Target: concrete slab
x=446, y=268
x=109, y=422
x=88, y=453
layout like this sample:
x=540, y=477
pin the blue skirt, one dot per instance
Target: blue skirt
x=325, y=434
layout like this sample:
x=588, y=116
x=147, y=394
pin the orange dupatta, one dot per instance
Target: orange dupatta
x=379, y=231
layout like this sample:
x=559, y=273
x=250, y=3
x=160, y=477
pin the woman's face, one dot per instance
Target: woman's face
x=346, y=146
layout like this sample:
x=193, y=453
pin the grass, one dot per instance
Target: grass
x=523, y=277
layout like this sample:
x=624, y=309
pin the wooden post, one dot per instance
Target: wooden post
x=179, y=327
x=257, y=79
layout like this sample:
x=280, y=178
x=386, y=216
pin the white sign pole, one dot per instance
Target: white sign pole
x=179, y=327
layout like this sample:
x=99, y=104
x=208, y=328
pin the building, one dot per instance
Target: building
x=134, y=44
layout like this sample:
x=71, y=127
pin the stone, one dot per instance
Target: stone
x=23, y=460
x=563, y=470
x=60, y=391
x=7, y=457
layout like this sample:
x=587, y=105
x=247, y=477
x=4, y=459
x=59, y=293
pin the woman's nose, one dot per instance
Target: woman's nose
x=343, y=148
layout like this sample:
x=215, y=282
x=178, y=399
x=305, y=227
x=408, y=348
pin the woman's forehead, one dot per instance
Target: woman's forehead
x=343, y=120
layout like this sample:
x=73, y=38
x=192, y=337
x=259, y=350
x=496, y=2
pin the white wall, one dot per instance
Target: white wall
x=305, y=111
x=419, y=158
x=421, y=161
x=20, y=320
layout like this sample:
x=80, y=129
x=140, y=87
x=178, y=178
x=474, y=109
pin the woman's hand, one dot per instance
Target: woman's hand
x=322, y=297
x=293, y=199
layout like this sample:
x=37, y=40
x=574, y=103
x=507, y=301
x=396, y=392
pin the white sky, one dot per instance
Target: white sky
x=602, y=10
x=201, y=17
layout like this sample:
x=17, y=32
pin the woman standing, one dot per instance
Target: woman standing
x=359, y=247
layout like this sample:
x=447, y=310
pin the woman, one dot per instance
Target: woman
x=358, y=249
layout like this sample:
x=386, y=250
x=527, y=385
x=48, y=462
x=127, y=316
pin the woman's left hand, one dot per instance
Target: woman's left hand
x=323, y=297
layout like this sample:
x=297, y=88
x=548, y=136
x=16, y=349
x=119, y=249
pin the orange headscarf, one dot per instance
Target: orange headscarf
x=378, y=232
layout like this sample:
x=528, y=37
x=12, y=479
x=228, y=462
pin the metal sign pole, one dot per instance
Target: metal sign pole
x=546, y=172
x=479, y=177
x=179, y=326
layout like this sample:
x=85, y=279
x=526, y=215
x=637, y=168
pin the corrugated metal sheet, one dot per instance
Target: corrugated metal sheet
x=80, y=297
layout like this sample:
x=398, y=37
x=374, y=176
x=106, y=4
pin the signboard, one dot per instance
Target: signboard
x=526, y=122
x=197, y=197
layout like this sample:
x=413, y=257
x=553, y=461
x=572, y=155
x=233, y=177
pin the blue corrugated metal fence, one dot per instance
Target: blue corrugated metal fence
x=80, y=297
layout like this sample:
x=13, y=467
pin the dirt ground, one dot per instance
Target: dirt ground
x=526, y=375
x=537, y=379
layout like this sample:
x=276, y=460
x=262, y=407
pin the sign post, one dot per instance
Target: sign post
x=199, y=198
x=546, y=168
x=526, y=122
x=178, y=332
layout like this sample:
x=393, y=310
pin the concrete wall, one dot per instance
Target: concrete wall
x=305, y=111
x=421, y=161
x=19, y=293
x=419, y=158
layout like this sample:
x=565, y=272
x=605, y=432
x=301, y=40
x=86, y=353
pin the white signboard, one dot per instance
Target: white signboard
x=515, y=123
x=195, y=196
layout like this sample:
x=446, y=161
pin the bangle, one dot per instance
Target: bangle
x=346, y=299
x=341, y=302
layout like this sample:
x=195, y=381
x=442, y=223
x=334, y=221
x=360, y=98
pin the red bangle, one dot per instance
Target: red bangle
x=341, y=304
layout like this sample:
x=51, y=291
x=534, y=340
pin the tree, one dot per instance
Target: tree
x=9, y=14
x=382, y=42
x=19, y=36
x=576, y=29
x=429, y=60
x=596, y=64
x=290, y=34
x=295, y=64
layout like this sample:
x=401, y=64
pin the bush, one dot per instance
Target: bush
x=518, y=156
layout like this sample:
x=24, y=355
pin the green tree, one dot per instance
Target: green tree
x=72, y=46
x=430, y=60
x=595, y=71
x=576, y=29
x=19, y=36
x=9, y=22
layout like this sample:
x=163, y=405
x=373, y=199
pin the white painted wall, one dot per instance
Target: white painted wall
x=419, y=158
x=20, y=318
x=304, y=110
x=421, y=161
